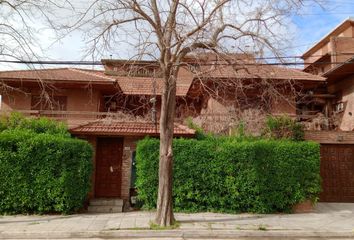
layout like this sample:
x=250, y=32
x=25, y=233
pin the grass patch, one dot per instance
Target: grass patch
x=262, y=228
x=154, y=226
x=34, y=223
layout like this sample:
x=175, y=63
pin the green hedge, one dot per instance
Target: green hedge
x=44, y=172
x=16, y=121
x=226, y=175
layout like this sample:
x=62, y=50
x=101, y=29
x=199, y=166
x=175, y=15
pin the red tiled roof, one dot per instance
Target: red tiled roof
x=129, y=85
x=145, y=85
x=257, y=72
x=58, y=74
x=106, y=127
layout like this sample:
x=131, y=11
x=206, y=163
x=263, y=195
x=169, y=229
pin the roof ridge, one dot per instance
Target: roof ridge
x=85, y=124
x=306, y=73
x=88, y=69
x=91, y=74
x=34, y=70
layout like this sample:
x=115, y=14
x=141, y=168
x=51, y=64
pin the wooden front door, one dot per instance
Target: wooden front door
x=108, y=167
x=337, y=172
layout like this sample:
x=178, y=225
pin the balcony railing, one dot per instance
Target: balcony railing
x=100, y=115
x=84, y=116
x=63, y=115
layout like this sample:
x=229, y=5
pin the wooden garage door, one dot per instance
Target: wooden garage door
x=108, y=167
x=337, y=172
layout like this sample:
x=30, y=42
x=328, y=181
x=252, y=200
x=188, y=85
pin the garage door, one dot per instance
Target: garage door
x=337, y=172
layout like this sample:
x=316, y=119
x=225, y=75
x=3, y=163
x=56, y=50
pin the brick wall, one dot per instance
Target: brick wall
x=330, y=137
x=128, y=148
x=345, y=89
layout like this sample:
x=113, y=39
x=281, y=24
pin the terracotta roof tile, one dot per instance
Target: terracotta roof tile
x=145, y=85
x=58, y=74
x=257, y=72
x=107, y=127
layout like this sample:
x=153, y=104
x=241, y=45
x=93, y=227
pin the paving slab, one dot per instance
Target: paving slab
x=327, y=221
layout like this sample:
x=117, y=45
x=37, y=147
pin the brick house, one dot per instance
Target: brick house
x=333, y=58
x=114, y=108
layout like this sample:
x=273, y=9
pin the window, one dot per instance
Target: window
x=339, y=107
x=141, y=71
x=56, y=103
x=110, y=104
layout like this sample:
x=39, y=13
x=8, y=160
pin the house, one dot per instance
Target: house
x=333, y=58
x=114, y=108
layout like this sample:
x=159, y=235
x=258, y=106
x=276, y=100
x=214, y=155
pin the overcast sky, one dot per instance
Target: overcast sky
x=313, y=23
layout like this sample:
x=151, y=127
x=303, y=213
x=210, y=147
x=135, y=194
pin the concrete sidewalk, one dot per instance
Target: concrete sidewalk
x=329, y=220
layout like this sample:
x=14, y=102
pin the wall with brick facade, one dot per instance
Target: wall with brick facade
x=345, y=90
x=283, y=106
x=77, y=99
x=15, y=101
x=330, y=137
x=128, y=149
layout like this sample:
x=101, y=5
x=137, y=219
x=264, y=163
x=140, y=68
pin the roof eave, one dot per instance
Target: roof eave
x=124, y=61
x=326, y=74
x=319, y=79
x=33, y=80
x=102, y=133
x=346, y=22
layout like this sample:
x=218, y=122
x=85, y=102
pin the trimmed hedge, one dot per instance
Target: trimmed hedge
x=16, y=121
x=42, y=173
x=227, y=175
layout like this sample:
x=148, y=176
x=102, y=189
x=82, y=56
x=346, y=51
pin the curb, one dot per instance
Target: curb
x=171, y=234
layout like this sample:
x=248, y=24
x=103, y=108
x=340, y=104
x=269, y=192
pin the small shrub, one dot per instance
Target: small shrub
x=232, y=175
x=284, y=127
x=199, y=131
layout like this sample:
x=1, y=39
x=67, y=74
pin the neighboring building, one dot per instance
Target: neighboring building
x=113, y=109
x=333, y=58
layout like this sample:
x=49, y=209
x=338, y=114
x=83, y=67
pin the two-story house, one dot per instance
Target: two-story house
x=116, y=107
x=333, y=58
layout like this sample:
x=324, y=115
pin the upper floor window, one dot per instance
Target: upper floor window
x=142, y=71
x=339, y=107
x=55, y=103
x=110, y=104
x=137, y=71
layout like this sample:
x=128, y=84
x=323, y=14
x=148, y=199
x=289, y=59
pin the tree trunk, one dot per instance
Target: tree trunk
x=164, y=215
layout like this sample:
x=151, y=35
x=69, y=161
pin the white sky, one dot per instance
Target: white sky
x=309, y=27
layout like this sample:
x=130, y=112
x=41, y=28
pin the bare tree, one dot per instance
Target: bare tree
x=20, y=22
x=169, y=32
